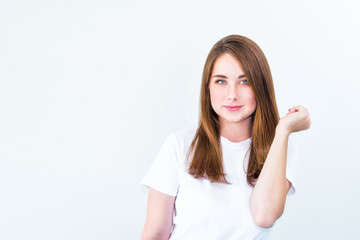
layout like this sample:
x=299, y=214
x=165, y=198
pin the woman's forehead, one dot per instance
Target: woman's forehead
x=226, y=65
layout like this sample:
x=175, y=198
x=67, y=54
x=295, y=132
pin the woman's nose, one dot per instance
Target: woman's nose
x=232, y=93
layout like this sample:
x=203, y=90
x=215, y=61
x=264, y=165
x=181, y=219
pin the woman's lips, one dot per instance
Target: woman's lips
x=233, y=108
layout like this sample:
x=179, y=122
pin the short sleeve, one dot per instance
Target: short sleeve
x=163, y=173
x=292, y=165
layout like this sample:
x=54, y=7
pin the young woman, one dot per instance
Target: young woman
x=229, y=177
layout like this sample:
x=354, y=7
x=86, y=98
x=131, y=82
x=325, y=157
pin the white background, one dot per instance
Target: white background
x=89, y=90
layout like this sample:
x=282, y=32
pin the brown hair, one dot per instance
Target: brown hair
x=205, y=147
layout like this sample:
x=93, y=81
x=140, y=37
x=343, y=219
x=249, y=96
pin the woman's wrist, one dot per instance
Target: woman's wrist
x=280, y=129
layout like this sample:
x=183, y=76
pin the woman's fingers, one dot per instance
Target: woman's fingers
x=304, y=118
x=297, y=108
x=294, y=109
x=299, y=121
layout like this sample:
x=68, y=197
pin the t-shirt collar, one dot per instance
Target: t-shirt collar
x=235, y=145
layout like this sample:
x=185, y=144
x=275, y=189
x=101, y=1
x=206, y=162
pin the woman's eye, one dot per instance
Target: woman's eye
x=220, y=81
x=244, y=82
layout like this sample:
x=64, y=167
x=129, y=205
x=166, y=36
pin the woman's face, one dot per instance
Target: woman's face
x=232, y=98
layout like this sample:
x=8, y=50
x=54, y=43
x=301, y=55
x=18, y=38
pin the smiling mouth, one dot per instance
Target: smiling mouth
x=233, y=108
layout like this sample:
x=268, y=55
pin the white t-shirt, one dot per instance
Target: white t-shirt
x=206, y=210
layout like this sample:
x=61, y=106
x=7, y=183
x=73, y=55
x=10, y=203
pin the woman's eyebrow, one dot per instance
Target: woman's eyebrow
x=223, y=76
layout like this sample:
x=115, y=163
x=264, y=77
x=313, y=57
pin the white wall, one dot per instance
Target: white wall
x=89, y=90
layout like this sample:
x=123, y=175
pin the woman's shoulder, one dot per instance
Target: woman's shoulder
x=183, y=137
x=185, y=133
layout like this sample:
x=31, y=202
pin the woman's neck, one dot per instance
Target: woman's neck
x=236, y=132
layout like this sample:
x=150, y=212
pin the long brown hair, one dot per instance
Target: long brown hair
x=205, y=147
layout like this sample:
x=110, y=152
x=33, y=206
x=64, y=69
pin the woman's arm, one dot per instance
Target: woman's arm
x=159, y=217
x=269, y=194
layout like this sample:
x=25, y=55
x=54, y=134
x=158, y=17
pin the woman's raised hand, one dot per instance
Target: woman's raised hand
x=297, y=119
